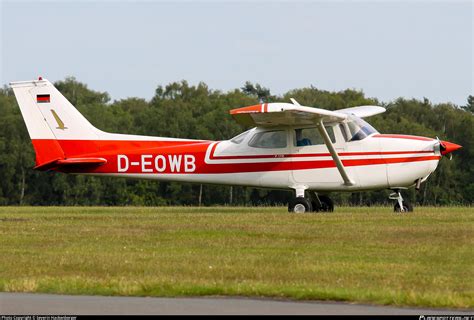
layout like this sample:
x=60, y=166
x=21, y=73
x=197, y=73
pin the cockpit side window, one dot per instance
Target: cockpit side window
x=342, y=127
x=311, y=136
x=269, y=139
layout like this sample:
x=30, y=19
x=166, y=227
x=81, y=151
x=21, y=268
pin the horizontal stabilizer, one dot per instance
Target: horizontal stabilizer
x=58, y=163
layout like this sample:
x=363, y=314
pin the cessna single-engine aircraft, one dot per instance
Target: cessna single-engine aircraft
x=309, y=150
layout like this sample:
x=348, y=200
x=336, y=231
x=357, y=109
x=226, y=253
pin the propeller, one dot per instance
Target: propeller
x=446, y=148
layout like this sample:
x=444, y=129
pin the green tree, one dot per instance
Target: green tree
x=470, y=104
x=261, y=93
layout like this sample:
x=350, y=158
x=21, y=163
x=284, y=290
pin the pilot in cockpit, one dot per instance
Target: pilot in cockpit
x=300, y=139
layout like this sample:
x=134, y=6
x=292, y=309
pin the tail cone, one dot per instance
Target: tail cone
x=448, y=147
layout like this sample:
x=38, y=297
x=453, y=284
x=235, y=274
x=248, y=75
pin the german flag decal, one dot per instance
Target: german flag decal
x=42, y=98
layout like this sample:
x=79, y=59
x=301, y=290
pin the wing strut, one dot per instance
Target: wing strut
x=322, y=130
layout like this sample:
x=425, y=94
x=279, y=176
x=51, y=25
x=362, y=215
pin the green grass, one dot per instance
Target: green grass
x=425, y=258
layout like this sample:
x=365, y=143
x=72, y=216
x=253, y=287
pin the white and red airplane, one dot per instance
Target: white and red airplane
x=309, y=150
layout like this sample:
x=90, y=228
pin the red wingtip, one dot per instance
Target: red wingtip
x=251, y=109
x=448, y=147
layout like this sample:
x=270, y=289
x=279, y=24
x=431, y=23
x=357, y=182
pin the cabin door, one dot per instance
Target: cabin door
x=312, y=162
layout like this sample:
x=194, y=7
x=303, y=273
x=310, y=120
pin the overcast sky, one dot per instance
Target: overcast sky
x=387, y=49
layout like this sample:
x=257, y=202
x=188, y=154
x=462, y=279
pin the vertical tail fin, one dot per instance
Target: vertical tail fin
x=50, y=118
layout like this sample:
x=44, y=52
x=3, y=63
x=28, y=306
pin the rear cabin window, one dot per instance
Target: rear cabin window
x=269, y=139
x=311, y=136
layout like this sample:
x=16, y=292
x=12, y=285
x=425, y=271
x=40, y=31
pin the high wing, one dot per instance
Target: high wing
x=363, y=111
x=275, y=114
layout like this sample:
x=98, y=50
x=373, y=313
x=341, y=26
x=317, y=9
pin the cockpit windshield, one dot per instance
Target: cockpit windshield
x=358, y=129
x=239, y=138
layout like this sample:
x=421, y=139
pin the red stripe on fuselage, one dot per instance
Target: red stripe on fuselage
x=203, y=168
x=306, y=155
x=134, y=150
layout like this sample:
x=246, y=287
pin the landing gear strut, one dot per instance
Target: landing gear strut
x=401, y=205
x=321, y=203
x=314, y=203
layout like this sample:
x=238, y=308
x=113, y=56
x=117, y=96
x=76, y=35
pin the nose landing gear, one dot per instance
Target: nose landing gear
x=401, y=205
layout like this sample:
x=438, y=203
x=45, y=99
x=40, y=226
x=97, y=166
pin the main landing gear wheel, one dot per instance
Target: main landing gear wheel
x=401, y=205
x=299, y=205
x=324, y=204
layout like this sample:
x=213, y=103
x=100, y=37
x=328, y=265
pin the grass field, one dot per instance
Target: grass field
x=425, y=258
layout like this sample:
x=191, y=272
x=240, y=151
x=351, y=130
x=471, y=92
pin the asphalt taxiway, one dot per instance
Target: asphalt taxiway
x=47, y=304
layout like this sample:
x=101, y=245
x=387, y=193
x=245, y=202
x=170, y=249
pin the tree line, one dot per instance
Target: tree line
x=195, y=111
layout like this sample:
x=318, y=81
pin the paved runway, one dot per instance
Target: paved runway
x=31, y=303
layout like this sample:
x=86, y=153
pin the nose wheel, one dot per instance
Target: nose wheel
x=401, y=205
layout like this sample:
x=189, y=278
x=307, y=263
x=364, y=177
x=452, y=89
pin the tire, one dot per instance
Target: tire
x=407, y=207
x=299, y=205
x=326, y=205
